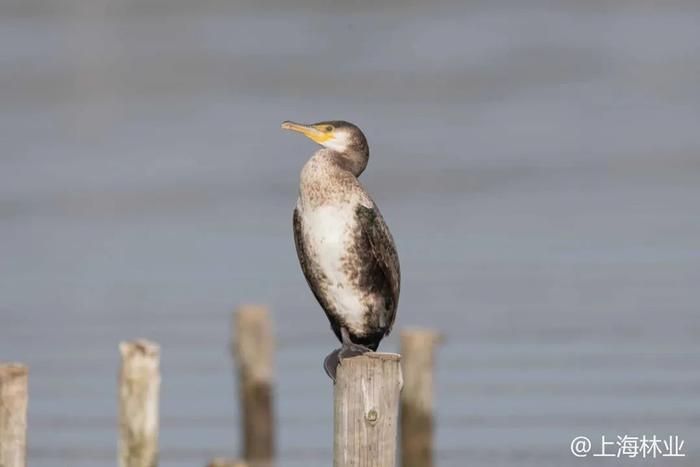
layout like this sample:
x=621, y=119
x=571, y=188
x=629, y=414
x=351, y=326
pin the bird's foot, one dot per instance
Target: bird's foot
x=331, y=362
x=348, y=350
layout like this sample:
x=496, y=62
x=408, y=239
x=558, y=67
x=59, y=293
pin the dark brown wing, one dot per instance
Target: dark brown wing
x=383, y=250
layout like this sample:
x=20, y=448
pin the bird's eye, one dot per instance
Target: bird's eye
x=329, y=128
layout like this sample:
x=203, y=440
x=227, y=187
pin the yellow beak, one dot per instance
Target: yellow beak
x=309, y=131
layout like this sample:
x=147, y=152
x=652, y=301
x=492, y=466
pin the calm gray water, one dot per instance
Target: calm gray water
x=537, y=162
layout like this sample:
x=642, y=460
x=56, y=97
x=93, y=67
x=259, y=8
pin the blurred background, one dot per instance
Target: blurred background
x=538, y=163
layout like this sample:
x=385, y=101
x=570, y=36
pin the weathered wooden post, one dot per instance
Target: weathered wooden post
x=366, y=410
x=222, y=462
x=418, y=351
x=139, y=383
x=253, y=350
x=13, y=415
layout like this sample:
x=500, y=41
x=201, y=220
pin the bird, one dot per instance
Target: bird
x=346, y=251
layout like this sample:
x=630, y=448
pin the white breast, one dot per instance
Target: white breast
x=328, y=232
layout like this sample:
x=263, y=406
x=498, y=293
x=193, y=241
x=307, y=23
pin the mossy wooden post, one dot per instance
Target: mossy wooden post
x=139, y=384
x=366, y=410
x=13, y=414
x=417, y=350
x=253, y=350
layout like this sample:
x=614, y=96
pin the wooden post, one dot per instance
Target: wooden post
x=221, y=462
x=253, y=349
x=366, y=410
x=139, y=383
x=418, y=350
x=13, y=415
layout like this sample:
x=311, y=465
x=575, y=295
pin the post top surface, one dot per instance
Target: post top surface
x=254, y=309
x=12, y=369
x=420, y=332
x=139, y=346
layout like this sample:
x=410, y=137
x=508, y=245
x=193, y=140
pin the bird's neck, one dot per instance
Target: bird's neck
x=328, y=177
x=353, y=161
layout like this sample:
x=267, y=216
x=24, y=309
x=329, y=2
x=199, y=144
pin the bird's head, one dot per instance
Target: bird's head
x=343, y=138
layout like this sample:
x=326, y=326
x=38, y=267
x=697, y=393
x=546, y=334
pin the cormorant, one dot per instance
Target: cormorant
x=344, y=247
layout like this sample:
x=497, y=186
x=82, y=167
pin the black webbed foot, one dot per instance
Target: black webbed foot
x=348, y=350
x=331, y=362
x=353, y=350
